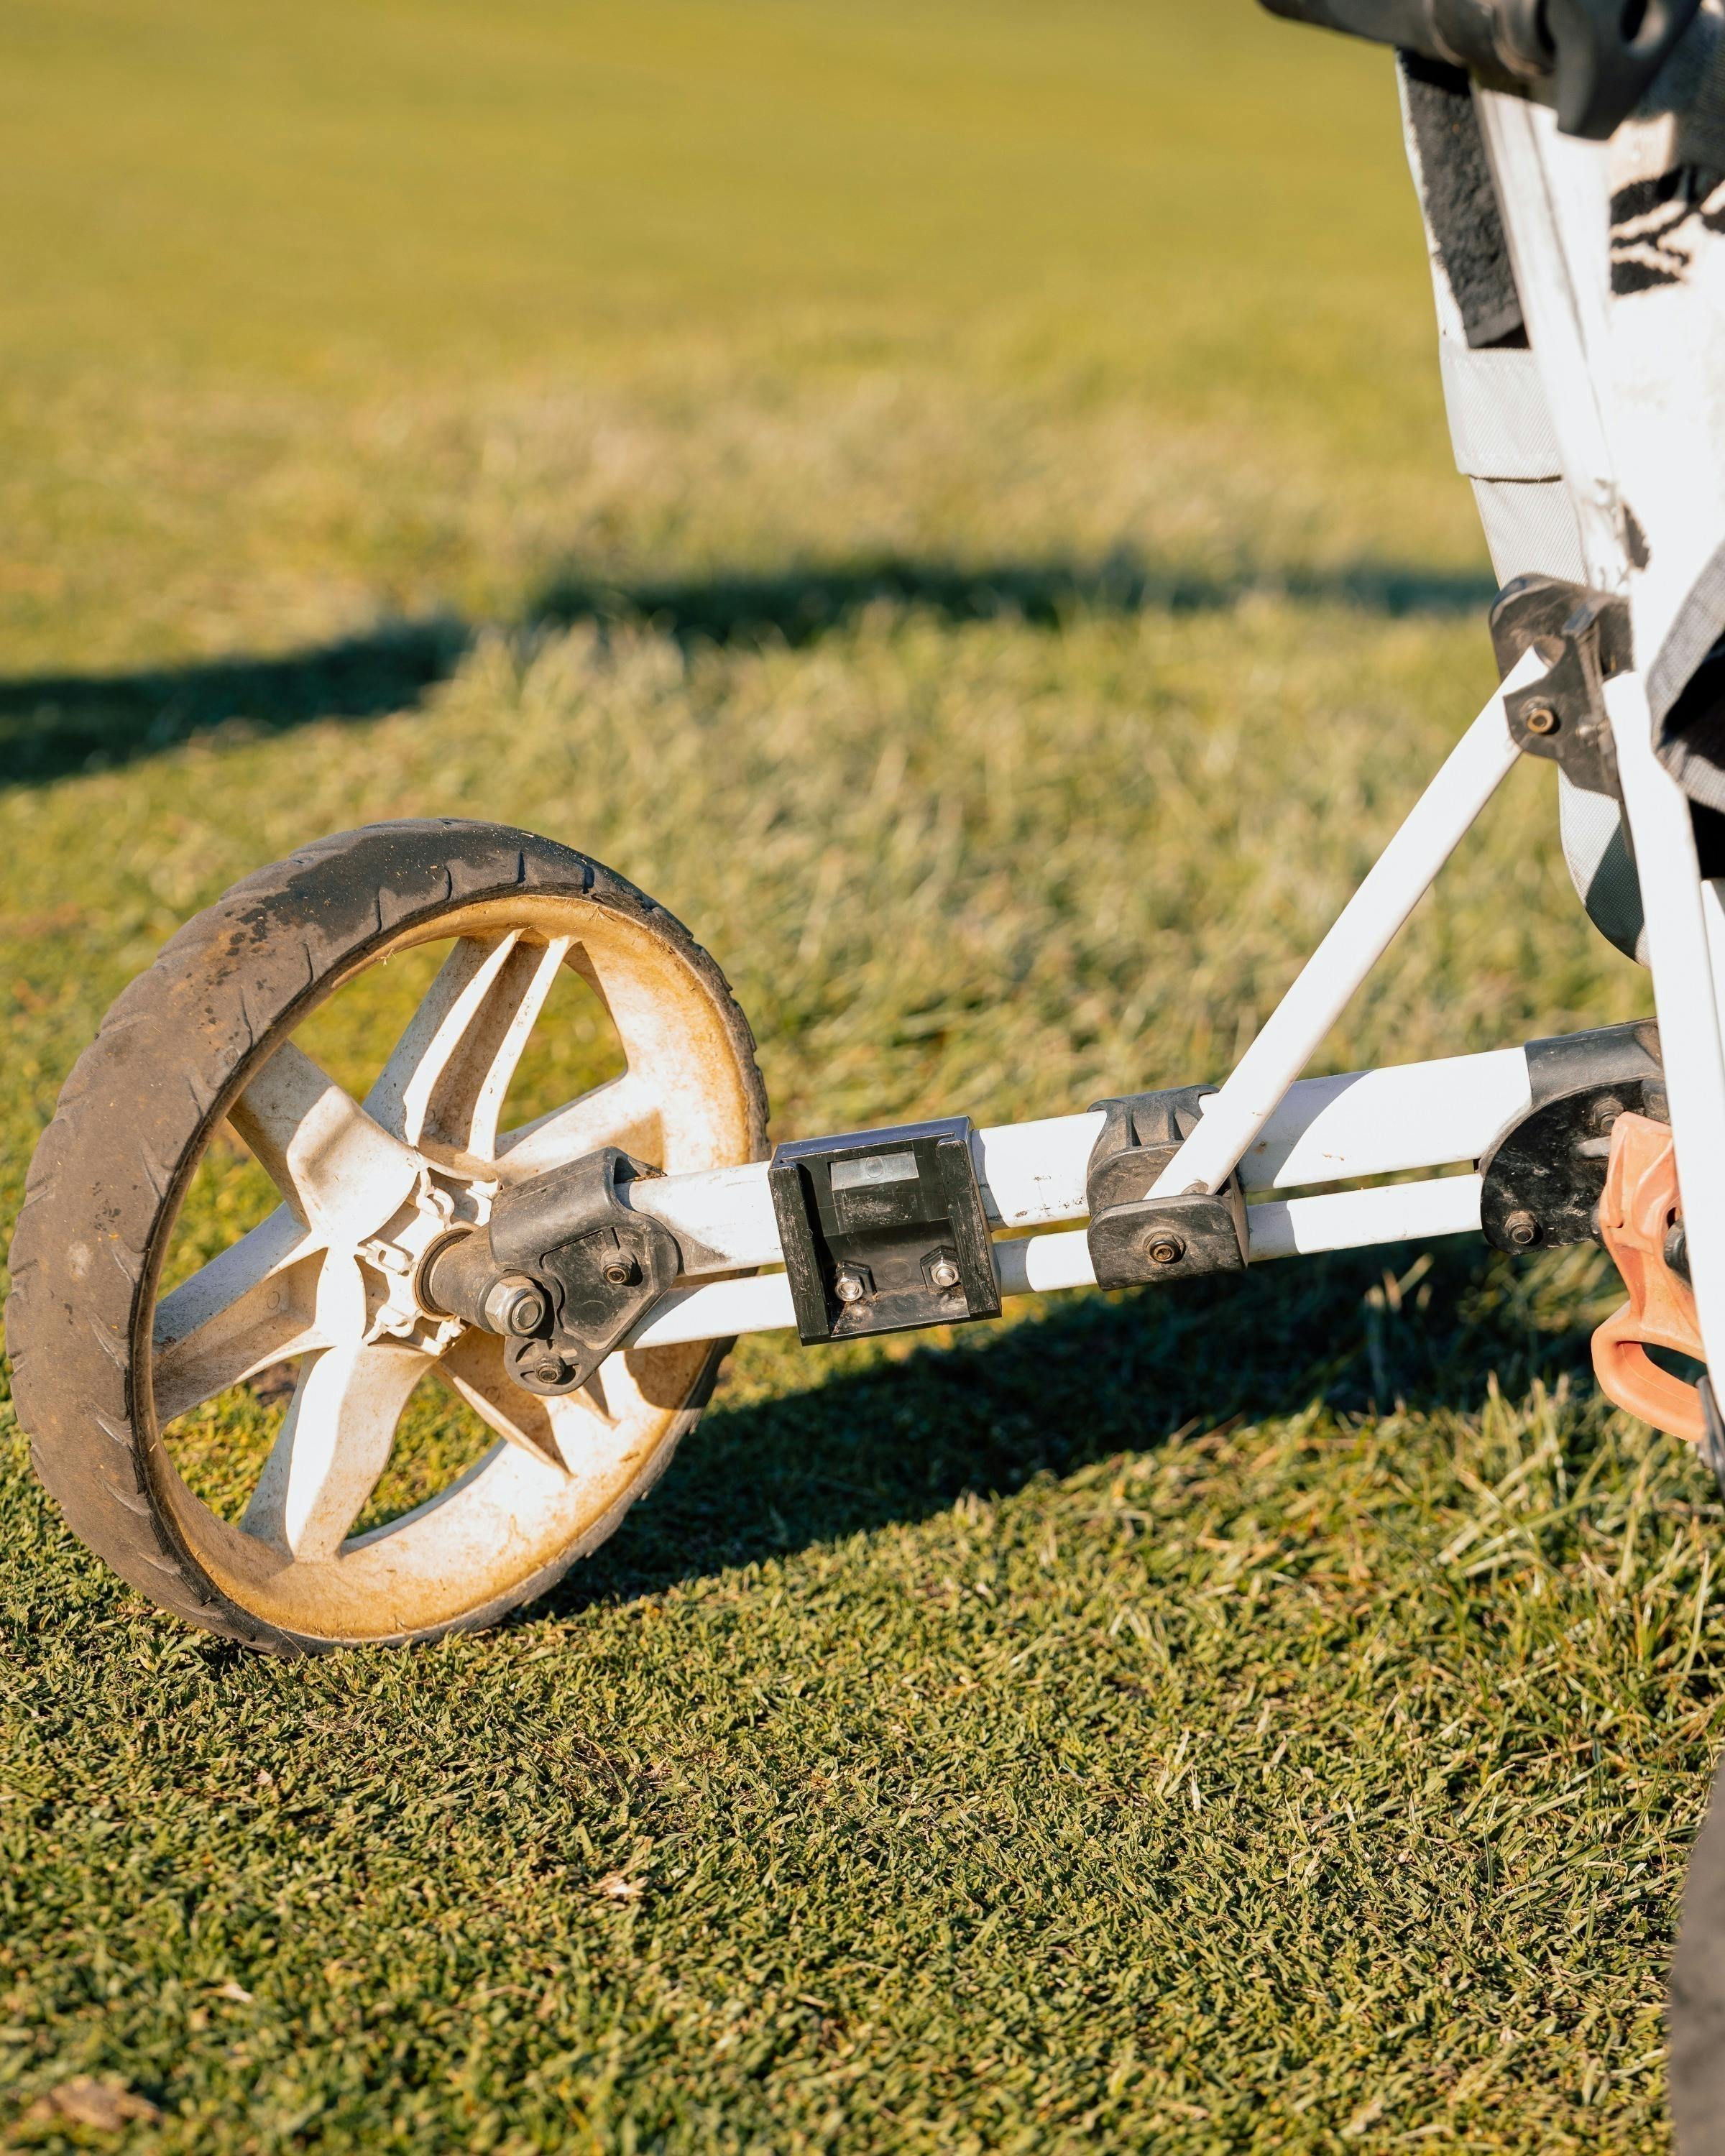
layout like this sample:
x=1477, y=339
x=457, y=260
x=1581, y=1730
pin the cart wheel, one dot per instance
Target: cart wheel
x=105, y=1362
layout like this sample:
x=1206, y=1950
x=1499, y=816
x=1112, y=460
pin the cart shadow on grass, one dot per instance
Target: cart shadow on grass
x=53, y=724
x=904, y=1439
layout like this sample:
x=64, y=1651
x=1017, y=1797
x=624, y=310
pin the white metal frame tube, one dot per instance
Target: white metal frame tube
x=1325, y=1130
x=1364, y=930
x=1284, y=1228
x=1683, y=953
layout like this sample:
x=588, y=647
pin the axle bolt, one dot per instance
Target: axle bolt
x=1166, y=1250
x=621, y=1272
x=1540, y=719
x=1521, y=1228
x=849, y=1288
x=515, y=1305
x=944, y=1274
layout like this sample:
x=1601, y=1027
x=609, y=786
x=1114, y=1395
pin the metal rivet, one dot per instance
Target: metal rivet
x=849, y=1288
x=1540, y=719
x=1167, y=1250
x=1521, y=1228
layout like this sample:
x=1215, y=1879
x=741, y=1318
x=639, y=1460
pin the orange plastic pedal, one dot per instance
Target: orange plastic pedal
x=1639, y=1209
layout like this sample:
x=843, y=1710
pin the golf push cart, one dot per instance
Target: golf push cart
x=575, y=1279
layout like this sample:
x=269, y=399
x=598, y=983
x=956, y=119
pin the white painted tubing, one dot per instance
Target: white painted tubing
x=717, y=1310
x=1683, y=958
x=1351, y=1219
x=1326, y=1130
x=1285, y=1228
x=1465, y=782
x=1381, y=1122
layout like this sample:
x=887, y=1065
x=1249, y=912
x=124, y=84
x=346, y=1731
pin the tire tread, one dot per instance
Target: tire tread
x=138, y=1103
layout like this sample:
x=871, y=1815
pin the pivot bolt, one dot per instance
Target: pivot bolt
x=515, y=1305
x=1521, y=1228
x=621, y=1272
x=1166, y=1250
x=849, y=1287
x=944, y=1274
x=1540, y=719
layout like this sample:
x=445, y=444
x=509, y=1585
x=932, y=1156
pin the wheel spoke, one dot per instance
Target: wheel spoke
x=254, y=1305
x=335, y=1442
x=550, y=1429
x=341, y=1173
x=623, y=1113
x=445, y=1082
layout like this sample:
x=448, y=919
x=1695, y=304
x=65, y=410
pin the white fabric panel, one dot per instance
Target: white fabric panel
x=1498, y=420
x=1530, y=528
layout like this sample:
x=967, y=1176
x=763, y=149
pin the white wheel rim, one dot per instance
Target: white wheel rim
x=322, y=1280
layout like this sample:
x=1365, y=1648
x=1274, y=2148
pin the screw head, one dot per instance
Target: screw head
x=849, y=1288
x=1540, y=719
x=621, y=1272
x=944, y=1274
x=1521, y=1228
x=1166, y=1250
x=517, y=1306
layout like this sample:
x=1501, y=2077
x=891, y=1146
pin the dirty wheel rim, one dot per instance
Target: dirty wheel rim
x=326, y=1280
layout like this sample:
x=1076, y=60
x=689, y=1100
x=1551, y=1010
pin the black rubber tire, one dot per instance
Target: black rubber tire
x=173, y=1052
x=1697, y=2006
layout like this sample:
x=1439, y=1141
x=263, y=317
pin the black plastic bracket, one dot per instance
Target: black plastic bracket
x=1135, y=1238
x=1545, y=1176
x=1592, y=58
x=602, y=1266
x=1583, y=639
x=884, y=1231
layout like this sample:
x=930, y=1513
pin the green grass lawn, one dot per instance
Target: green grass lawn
x=954, y=501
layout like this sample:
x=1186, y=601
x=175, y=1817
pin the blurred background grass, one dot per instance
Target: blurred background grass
x=955, y=502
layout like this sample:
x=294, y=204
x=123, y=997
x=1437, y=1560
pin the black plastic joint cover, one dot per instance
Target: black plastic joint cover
x=1582, y=638
x=1135, y=1238
x=603, y=1264
x=1543, y=1180
x=884, y=1231
x=1592, y=58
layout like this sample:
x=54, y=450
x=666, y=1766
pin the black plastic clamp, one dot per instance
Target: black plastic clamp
x=1592, y=58
x=1544, y=1178
x=1135, y=1238
x=884, y=1231
x=1583, y=638
x=563, y=1270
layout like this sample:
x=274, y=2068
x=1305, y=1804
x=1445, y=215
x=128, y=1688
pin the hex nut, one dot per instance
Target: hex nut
x=944, y=1274
x=1165, y=1249
x=1522, y=1230
x=621, y=1272
x=849, y=1287
x=517, y=1306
